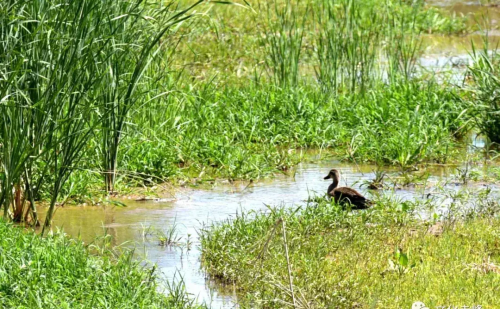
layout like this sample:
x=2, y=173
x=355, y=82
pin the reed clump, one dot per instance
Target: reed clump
x=70, y=73
x=482, y=87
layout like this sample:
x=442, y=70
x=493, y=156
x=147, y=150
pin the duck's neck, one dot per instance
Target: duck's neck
x=334, y=185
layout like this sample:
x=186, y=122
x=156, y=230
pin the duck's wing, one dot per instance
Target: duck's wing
x=350, y=195
x=349, y=192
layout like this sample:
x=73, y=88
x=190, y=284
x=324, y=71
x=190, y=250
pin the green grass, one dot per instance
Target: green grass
x=483, y=99
x=380, y=258
x=254, y=131
x=58, y=272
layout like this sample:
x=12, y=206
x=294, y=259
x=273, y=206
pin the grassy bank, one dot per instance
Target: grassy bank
x=252, y=131
x=380, y=258
x=58, y=272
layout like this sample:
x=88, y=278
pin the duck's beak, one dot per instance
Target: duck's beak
x=327, y=177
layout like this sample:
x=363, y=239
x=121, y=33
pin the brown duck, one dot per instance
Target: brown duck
x=345, y=195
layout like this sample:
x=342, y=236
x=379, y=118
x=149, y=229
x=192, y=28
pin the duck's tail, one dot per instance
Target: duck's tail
x=365, y=204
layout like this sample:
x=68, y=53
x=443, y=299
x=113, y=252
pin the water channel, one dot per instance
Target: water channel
x=138, y=224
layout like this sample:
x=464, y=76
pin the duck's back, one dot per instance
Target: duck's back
x=347, y=191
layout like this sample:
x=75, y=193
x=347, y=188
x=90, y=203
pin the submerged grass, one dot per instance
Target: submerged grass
x=379, y=258
x=58, y=272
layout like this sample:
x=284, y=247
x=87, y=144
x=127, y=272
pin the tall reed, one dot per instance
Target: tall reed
x=135, y=45
x=484, y=99
x=67, y=69
x=284, y=39
x=402, y=48
x=347, y=44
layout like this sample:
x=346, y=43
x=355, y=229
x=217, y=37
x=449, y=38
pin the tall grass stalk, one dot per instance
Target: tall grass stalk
x=135, y=45
x=283, y=39
x=484, y=100
x=68, y=68
x=402, y=48
x=348, y=40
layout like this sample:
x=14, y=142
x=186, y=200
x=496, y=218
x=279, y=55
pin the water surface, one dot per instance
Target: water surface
x=191, y=208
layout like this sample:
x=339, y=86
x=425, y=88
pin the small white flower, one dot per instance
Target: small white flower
x=418, y=305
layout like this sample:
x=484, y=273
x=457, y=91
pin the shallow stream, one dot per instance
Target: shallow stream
x=139, y=223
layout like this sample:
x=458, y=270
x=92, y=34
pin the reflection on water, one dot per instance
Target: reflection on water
x=449, y=56
x=192, y=208
x=484, y=13
x=448, y=46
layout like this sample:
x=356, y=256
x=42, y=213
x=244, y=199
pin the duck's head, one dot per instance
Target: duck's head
x=333, y=174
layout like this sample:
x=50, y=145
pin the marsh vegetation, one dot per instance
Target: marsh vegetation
x=98, y=99
x=384, y=257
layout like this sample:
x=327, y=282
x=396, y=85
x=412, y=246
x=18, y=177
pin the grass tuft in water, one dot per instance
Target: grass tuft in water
x=484, y=100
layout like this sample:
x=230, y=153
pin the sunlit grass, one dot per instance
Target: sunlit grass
x=58, y=272
x=252, y=132
x=380, y=258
